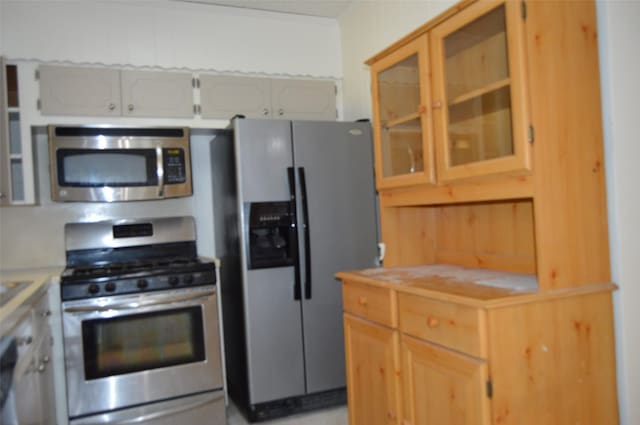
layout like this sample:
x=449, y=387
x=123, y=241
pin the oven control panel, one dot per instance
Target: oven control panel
x=105, y=287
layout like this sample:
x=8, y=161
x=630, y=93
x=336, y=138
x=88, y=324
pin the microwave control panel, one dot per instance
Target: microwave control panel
x=174, y=166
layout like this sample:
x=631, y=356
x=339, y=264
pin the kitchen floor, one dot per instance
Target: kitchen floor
x=331, y=416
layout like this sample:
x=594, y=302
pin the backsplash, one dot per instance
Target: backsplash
x=33, y=236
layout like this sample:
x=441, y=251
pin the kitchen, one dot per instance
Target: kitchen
x=115, y=34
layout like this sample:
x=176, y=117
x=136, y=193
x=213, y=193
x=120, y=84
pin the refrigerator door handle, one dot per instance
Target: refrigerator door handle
x=293, y=235
x=306, y=230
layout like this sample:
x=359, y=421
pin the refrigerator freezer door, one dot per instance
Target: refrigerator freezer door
x=274, y=336
x=337, y=159
x=272, y=317
x=263, y=152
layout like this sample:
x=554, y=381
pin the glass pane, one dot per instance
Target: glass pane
x=399, y=90
x=478, y=90
x=142, y=342
x=402, y=148
x=480, y=128
x=129, y=167
x=17, y=182
x=476, y=55
x=15, y=145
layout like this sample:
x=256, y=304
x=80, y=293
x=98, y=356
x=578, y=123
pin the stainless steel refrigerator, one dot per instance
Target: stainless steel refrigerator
x=294, y=202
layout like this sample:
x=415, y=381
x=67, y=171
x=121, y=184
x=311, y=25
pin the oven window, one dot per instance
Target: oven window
x=141, y=342
x=109, y=167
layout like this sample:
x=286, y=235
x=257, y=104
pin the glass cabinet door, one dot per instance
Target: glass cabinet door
x=479, y=97
x=402, y=138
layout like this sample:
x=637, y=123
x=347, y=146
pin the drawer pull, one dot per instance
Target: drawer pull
x=433, y=322
x=363, y=301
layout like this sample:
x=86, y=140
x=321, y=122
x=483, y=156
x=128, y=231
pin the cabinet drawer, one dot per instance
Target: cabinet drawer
x=369, y=302
x=455, y=326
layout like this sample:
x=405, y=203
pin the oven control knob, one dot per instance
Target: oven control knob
x=188, y=279
x=142, y=283
x=173, y=280
x=110, y=287
x=94, y=288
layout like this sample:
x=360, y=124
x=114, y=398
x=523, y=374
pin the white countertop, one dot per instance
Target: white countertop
x=17, y=306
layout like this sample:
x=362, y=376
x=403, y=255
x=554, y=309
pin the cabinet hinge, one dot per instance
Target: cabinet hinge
x=39, y=104
x=195, y=82
x=523, y=8
x=37, y=74
x=196, y=109
x=530, y=135
x=489, y=388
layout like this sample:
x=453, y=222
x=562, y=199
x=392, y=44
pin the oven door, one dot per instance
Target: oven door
x=131, y=350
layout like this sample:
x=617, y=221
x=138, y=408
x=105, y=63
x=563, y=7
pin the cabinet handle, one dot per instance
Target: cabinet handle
x=46, y=313
x=363, y=301
x=130, y=107
x=41, y=367
x=422, y=109
x=433, y=322
x=265, y=112
x=281, y=112
x=112, y=106
x=437, y=104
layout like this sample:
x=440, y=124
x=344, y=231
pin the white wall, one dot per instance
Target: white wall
x=620, y=71
x=167, y=34
x=369, y=27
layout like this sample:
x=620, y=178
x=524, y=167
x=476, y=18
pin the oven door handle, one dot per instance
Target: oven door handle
x=137, y=304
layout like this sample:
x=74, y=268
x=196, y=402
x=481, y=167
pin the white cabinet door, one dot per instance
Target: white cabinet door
x=222, y=97
x=303, y=100
x=68, y=90
x=157, y=94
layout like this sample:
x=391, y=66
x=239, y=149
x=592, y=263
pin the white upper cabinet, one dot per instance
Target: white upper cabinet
x=79, y=91
x=303, y=100
x=222, y=97
x=157, y=94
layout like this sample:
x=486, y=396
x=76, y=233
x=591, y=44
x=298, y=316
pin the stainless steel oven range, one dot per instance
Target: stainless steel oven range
x=140, y=319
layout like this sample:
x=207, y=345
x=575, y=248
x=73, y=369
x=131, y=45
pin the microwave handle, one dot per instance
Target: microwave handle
x=160, y=171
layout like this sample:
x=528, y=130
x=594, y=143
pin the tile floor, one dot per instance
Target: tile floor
x=330, y=416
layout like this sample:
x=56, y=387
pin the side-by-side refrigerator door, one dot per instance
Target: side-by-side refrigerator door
x=275, y=363
x=337, y=231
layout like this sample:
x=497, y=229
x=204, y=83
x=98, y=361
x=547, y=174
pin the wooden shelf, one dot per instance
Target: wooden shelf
x=402, y=122
x=480, y=92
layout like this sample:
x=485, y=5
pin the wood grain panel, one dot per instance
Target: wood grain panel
x=409, y=235
x=570, y=194
x=370, y=302
x=553, y=362
x=373, y=373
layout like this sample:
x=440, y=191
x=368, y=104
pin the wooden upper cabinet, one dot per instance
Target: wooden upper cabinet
x=479, y=97
x=402, y=134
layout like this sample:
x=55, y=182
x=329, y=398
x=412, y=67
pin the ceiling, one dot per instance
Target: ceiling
x=323, y=8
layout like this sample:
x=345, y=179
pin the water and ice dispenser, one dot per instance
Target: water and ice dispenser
x=271, y=236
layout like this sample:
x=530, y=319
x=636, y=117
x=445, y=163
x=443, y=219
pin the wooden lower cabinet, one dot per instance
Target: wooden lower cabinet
x=372, y=372
x=465, y=354
x=441, y=386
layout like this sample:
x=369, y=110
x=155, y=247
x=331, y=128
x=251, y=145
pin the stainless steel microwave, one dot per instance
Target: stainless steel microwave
x=111, y=164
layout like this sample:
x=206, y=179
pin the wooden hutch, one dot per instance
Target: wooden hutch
x=494, y=302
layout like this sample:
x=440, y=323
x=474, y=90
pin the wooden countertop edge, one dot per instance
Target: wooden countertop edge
x=509, y=299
